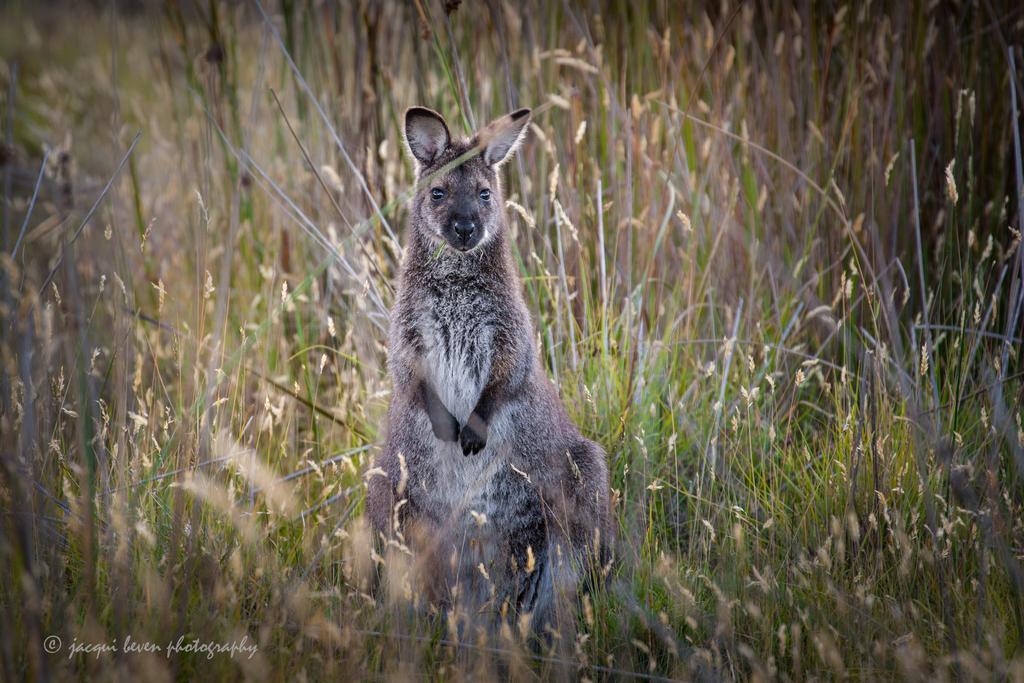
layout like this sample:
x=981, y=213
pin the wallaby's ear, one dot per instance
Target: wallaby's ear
x=426, y=134
x=502, y=137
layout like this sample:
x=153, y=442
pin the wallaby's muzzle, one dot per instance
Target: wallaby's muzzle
x=464, y=231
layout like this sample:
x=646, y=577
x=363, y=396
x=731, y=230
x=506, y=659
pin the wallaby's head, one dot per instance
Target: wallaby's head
x=460, y=203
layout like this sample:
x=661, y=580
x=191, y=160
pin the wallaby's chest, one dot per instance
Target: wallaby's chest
x=457, y=329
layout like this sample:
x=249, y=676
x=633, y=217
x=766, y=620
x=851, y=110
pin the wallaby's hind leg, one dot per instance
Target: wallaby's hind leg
x=549, y=597
x=395, y=514
x=576, y=542
x=590, y=518
x=380, y=492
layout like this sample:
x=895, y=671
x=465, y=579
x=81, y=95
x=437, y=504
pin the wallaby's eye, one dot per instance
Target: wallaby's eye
x=437, y=194
x=485, y=195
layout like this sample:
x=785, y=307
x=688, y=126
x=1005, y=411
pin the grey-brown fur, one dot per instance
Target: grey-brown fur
x=475, y=425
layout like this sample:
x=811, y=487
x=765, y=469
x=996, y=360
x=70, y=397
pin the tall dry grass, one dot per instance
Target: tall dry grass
x=775, y=264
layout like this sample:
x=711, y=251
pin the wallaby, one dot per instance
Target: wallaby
x=485, y=476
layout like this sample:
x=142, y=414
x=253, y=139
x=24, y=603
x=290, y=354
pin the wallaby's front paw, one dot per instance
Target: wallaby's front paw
x=446, y=427
x=472, y=443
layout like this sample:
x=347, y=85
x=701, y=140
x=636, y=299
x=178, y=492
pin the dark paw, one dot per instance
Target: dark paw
x=446, y=427
x=444, y=424
x=472, y=441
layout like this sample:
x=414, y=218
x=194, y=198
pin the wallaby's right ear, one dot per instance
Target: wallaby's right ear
x=426, y=134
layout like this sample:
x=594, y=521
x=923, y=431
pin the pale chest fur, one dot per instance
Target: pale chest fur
x=458, y=343
x=457, y=330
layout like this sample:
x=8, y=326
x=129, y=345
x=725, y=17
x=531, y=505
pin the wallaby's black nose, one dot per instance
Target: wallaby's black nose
x=464, y=228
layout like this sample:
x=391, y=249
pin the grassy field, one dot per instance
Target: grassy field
x=773, y=256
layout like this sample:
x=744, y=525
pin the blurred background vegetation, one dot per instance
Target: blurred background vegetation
x=774, y=259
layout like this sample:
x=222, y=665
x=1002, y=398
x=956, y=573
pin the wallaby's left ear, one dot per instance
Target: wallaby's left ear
x=502, y=137
x=426, y=134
